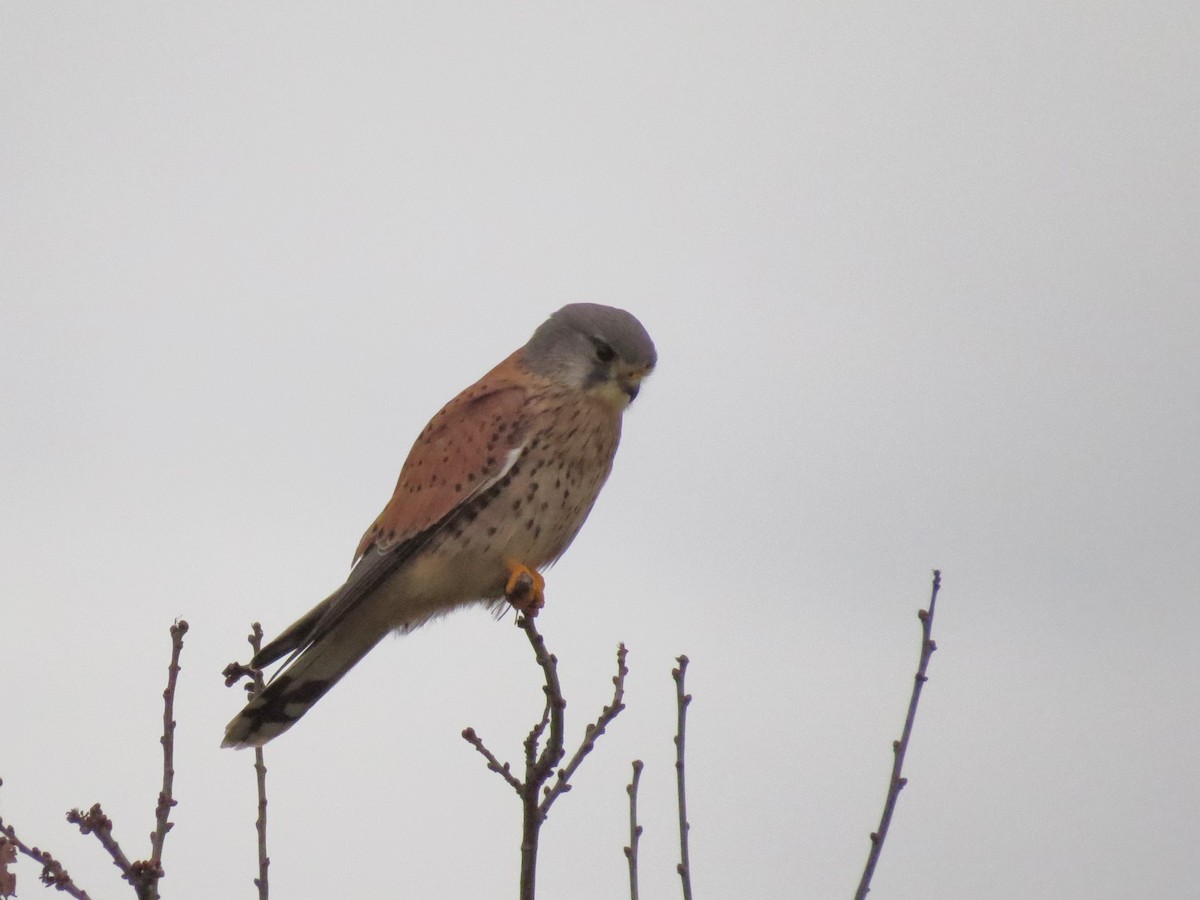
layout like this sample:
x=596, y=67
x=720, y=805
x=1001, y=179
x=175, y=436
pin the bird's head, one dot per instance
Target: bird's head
x=602, y=350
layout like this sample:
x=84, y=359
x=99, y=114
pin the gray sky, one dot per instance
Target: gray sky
x=924, y=284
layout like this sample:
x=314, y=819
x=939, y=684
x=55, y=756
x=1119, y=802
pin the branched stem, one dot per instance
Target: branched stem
x=556, y=705
x=143, y=874
x=540, y=761
x=94, y=821
x=53, y=874
x=591, y=734
x=900, y=747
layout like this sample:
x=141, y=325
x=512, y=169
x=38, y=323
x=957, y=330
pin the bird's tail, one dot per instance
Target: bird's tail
x=303, y=681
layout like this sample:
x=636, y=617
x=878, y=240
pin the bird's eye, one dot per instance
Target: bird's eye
x=604, y=352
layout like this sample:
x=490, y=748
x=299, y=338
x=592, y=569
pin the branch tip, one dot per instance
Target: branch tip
x=900, y=747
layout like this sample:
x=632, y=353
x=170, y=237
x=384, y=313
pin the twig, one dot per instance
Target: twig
x=53, y=874
x=556, y=705
x=165, y=799
x=504, y=769
x=144, y=874
x=535, y=734
x=8, y=856
x=536, y=799
x=635, y=830
x=260, y=772
x=538, y=766
x=94, y=821
x=900, y=747
x=591, y=733
x=681, y=701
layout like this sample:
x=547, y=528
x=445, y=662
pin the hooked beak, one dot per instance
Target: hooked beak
x=631, y=382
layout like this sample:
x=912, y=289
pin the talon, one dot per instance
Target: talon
x=524, y=589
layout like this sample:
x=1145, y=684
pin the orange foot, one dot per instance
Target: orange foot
x=524, y=589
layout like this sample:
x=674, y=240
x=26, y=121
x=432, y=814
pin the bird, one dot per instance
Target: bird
x=494, y=490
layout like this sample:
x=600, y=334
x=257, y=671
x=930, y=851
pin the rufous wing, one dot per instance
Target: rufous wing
x=464, y=449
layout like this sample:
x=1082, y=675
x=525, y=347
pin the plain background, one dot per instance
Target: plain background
x=924, y=283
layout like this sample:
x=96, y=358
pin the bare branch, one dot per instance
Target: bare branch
x=535, y=734
x=94, y=821
x=260, y=774
x=556, y=704
x=8, y=856
x=503, y=769
x=681, y=701
x=162, y=815
x=538, y=766
x=540, y=762
x=53, y=874
x=635, y=830
x=591, y=733
x=144, y=874
x=900, y=747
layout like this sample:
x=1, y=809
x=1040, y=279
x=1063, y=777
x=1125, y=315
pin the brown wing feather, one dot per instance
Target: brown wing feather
x=462, y=451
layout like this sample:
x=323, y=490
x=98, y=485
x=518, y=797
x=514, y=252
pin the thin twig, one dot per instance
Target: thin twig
x=635, y=830
x=503, y=769
x=166, y=800
x=900, y=747
x=94, y=821
x=538, y=766
x=681, y=701
x=591, y=733
x=535, y=735
x=556, y=704
x=8, y=857
x=53, y=874
x=144, y=874
x=260, y=773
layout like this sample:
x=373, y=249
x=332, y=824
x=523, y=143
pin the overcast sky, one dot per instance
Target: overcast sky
x=925, y=287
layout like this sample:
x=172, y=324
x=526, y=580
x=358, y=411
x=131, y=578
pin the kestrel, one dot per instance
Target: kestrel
x=494, y=490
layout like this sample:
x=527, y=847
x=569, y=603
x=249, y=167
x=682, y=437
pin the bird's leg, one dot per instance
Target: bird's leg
x=524, y=588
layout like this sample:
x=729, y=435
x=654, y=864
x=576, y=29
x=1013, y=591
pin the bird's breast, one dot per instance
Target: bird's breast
x=534, y=512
